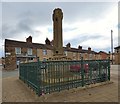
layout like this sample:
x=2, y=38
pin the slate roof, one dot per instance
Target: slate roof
x=117, y=47
x=103, y=52
x=14, y=43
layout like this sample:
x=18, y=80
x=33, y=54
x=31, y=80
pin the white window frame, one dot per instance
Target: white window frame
x=74, y=54
x=90, y=56
x=81, y=55
x=66, y=53
x=86, y=56
x=38, y=51
x=17, y=50
x=29, y=51
x=44, y=52
x=44, y=59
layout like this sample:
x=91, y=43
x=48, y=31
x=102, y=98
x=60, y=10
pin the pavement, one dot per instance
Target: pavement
x=14, y=90
x=6, y=74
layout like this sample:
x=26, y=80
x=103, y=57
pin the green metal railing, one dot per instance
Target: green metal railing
x=51, y=76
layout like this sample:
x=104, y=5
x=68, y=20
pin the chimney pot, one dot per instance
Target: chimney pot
x=80, y=47
x=29, y=39
x=68, y=45
x=89, y=49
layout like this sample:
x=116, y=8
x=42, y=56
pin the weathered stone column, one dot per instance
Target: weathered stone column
x=57, y=32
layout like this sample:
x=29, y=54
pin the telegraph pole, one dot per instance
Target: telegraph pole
x=112, y=45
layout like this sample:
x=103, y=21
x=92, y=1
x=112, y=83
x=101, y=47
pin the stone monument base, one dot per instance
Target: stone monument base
x=59, y=58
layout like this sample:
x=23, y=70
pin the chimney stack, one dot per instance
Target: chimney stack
x=80, y=47
x=47, y=41
x=68, y=45
x=89, y=49
x=29, y=39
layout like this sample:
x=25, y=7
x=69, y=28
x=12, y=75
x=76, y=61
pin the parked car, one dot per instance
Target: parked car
x=77, y=68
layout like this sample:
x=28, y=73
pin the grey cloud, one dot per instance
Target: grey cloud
x=6, y=30
x=23, y=17
x=69, y=29
x=25, y=25
x=82, y=11
x=11, y=31
x=42, y=12
x=81, y=38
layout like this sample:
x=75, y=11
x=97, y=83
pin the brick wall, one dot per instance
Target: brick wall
x=117, y=56
x=10, y=60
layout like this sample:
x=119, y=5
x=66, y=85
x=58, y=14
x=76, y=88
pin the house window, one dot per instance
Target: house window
x=118, y=51
x=38, y=51
x=30, y=58
x=74, y=54
x=86, y=58
x=90, y=56
x=65, y=53
x=81, y=55
x=18, y=50
x=44, y=52
x=44, y=59
x=29, y=51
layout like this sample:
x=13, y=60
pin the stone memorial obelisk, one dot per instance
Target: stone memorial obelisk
x=57, y=32
x=58, y=51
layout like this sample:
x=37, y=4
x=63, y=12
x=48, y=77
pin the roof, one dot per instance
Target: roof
x=78, y=50
x=117, y=47
x=14, y=43
x=103, y=52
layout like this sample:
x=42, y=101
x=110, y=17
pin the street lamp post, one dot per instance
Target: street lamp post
x=112, y=45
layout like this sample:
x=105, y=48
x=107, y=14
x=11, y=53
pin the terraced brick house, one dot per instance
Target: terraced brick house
x=117, y=55
x=18, y=51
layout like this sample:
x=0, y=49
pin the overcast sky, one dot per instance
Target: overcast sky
x=87, y=24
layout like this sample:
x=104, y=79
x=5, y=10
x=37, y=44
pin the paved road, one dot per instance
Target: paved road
x=6, y=74
x=15, y=90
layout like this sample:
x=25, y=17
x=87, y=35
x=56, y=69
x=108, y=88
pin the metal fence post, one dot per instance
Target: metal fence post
x=99, y=66
x=24, y=75
x=39, y=78
x=109, y=69
x=82, y=70
x=19, y=71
